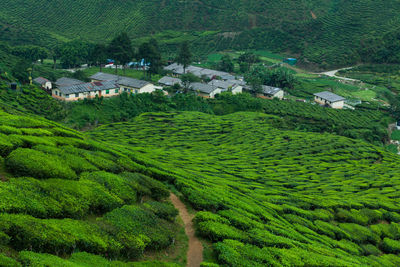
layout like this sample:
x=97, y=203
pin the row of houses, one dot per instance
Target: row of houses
x=108, y=85
x=220, y=82
x=102, y=84
x=177, y=69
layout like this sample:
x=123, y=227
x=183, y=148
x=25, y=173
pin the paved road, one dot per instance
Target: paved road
x=332, y=73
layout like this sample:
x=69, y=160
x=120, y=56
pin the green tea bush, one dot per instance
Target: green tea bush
x=156, y=189
x=359, y=234
x=203, y=216
x=240, y=221
x=165, y=211
x=97, y=159
x=29, y=162
x=5, y=146
x=218, y=231
x=35, y=132
x=8, y=262
x=75, y=162
x=61, y=236
x=391, y=246
x=5, y=129
x=115, y=184
x=369, y=249
x=134, y=220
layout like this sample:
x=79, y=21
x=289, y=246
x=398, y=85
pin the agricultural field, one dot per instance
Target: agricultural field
x=379, y=75
x=267, y=196
x=313, y=30
x=65, y=195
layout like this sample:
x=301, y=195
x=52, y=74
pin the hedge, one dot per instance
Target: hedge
x=29, y=162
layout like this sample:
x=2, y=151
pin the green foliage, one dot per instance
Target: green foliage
x=391, y=246
x=68, y=205
x=8, y=262
x=28, y=162
x=143, y=223
x=281, y=197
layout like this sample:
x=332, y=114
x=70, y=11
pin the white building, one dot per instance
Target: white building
x=44, y=83
x=126, y=84
x=233, y=86
x=86, y=90
x=271, y=92
x=329, y=99
x=205, y=90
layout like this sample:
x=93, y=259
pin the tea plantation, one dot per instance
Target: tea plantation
x=271, y=197
x=64, y=195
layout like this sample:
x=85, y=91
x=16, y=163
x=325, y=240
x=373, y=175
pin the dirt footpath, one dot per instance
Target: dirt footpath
x=195, y=251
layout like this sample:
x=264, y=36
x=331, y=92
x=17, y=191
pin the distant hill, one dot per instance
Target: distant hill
x=323, y=32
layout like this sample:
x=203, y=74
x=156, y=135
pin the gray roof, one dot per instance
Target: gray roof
x=121, y=80
x=225, y=85
x=198, y=71
x=88, y=87
x=169, y=81
x=101, y=76
x=40, y=80
x=64, y=81
x=269, y=90
x=203, y=87
x=331, y=97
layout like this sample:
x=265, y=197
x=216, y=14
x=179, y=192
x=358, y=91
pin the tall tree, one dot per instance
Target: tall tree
x=150, y=53
x=121, y=50
x=184, y=56
x=55, y=54
x=226, y=64
x=99, y=54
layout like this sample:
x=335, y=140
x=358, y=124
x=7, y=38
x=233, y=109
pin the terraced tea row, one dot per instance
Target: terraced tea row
x=270, y=196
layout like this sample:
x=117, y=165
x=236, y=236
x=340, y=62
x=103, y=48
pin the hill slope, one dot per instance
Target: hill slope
x=323, y=31
x=62, y=193
x=273, y=197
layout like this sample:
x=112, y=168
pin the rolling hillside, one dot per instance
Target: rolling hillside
x=269, y=197
x=62, y=193
x=323, y=32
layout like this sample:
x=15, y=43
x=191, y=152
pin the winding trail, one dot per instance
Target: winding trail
x=332, y=73
x=195, y=251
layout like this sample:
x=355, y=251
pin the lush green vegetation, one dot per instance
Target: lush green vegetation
x=270, y=196
x=380, y=75
x=313, y=29
x=367, y=124
x=62, y=193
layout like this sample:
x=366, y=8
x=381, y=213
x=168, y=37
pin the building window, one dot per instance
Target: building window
x=77, y=95
x=55, y=92
x=107, y=92
x=125, y=89
x=116, y=91
x=66, y=96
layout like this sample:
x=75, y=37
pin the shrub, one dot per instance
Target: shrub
x=115, y=184
x=369, y=249
x=203, y=216
x=157, y=189
x=8, y=262
x=218, y=231
x=165, y=211
x=391, y=246
x=359, y=234
x=29, y=162
x=134, y=221
x=5, y=129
